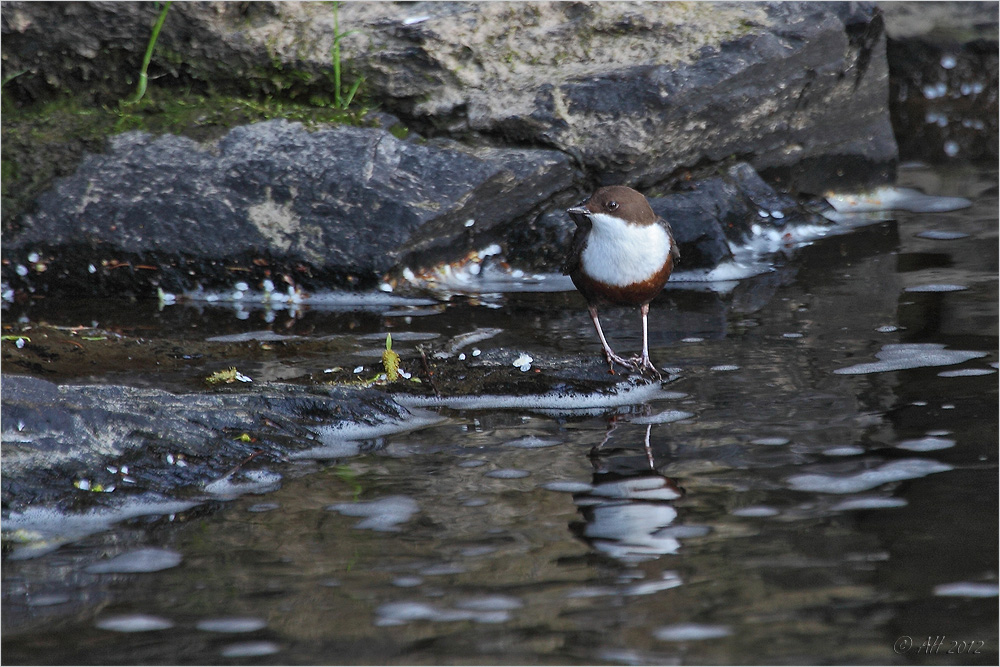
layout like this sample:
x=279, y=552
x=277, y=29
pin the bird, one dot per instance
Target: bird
x=622, y=253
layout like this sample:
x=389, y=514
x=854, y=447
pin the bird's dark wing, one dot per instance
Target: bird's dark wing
x=576, y=247
x=675, y=252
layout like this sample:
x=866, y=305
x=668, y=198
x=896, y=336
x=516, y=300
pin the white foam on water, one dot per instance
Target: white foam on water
x=231, y=624
x=400, y=613
x=491, y=603
x=249, y=649
x=670, y=579
x=895, y=199
x=724, y=368
x=771, y=442
x=664, y=417
x=407, y=581
x=532, y=442
x=567, y=486
x=936, y=287
x=621, y=395
x=967, y=589
x=966, y=372
x=629, y=531
x=846, y=450
x=637, y=488
x=928, y=444
x=385, y=514
x=941, y=235
x=50, y=528
x=140, y=560
x=868, y=503
x=507, y=473
x=252, y=481
x=894, y=471
x=685, y=632
x=133, y=623
x=335, y=434
x=903, y=356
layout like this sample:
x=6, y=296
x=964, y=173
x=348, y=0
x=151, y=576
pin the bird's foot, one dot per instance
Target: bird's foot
x=617, y=359
x=642, y=364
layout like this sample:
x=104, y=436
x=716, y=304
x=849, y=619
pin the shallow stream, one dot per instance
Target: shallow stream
x=816, y=485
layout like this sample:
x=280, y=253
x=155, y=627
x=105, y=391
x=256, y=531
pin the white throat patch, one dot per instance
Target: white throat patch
x=620, y=254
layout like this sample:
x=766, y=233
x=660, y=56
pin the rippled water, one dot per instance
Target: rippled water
x=817, y=486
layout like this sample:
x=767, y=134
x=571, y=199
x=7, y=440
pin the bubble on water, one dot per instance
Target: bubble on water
x=249, y=649
x=384, y=514
x=532, y=442
x=670, y=579
x=888, y=328
x=755, y=511
x=951, y=148
x=967, y=589
x=846, y=450
x=902, y=356
x=966, y=372
x=936, y=287
x=791, y=335
x=408, y=581
x=896, y=199
x=232, y=624
x=725, y=368
x=140, y=560
x=491, y=603
x=475, y=463
x=772, y=441
x=684, y=632
x=133, y=623
x=692, y=339
x=928, y=444
x=47, y=599
x=869, y=503
x=508, y=473
x=894, y=471
x=567, y=486
x=664, y=417
x=399, y=613
x=940, y=235
x=263, y=507
x=948, y=61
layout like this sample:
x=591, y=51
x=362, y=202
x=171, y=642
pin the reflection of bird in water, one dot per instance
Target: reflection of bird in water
x=628, y=513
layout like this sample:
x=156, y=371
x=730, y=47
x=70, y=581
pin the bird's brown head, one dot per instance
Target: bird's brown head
x=618, y=201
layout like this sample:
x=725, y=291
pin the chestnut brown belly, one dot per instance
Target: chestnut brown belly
x=634, y=294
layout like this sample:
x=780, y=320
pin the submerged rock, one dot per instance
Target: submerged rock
x=60, y=440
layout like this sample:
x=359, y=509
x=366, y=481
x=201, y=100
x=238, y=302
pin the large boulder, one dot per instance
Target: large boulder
x=272, y=201
x=638, y=93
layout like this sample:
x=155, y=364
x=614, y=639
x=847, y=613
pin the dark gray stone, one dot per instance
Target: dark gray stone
x=54, y=434
x=337, y=206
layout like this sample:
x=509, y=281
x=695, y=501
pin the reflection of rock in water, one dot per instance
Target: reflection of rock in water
x=628, y=512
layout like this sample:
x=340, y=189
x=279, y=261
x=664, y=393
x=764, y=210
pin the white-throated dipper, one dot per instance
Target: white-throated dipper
x=622, y=253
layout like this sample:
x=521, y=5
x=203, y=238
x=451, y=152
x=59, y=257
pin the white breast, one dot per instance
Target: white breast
x=620, y=254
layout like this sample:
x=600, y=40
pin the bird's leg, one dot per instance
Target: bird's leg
x=643, y=363
x=608, y=352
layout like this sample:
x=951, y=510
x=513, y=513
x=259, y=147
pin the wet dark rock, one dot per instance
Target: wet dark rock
x=56, y=434
x=338, y=206
x=705, y=217
x=943, y=75
x=643, y=97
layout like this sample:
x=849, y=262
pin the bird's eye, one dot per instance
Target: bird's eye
x=611, y=206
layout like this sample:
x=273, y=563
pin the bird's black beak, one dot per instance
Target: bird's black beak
x=580, y=215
